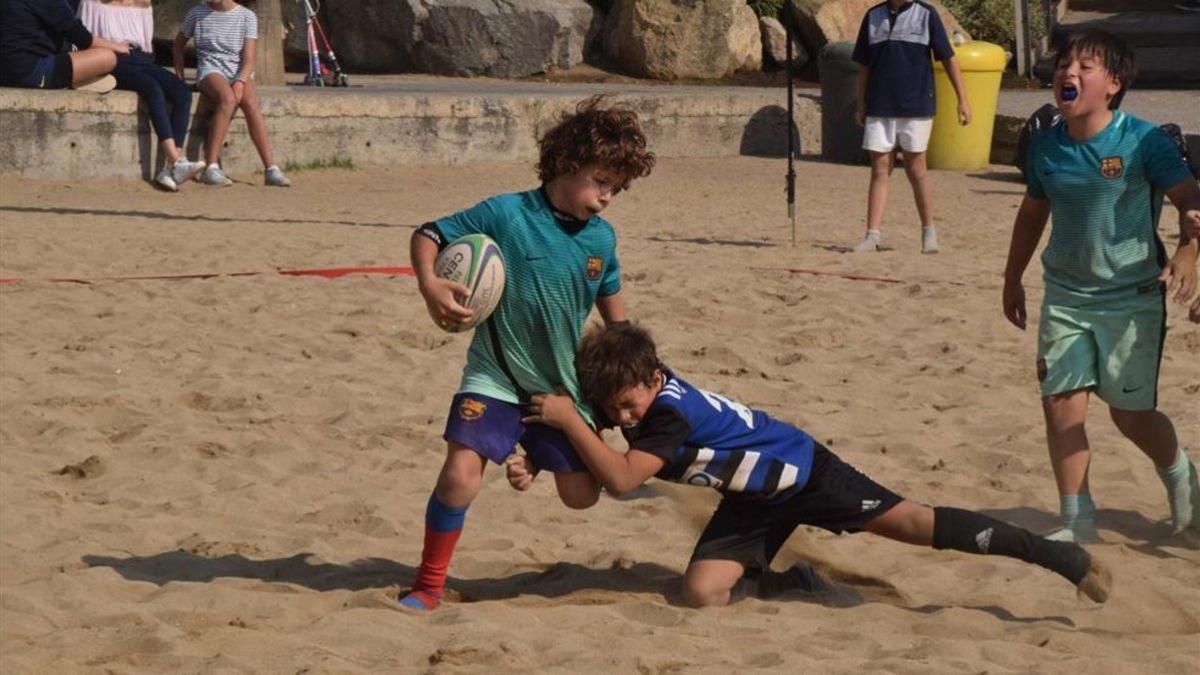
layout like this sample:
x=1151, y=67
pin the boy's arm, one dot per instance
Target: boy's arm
x=860, y=103
x=954, y=71
x=440, y=294
x=1180, y=273
x=1027, y=232
x=618, y=473
x=246, y=72
x=177, y=46
x=611, y=308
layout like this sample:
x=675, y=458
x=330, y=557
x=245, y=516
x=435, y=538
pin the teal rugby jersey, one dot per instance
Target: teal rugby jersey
x=1105, y=195
x=554, y=272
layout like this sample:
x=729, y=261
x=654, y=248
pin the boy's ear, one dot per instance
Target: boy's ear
x=1114, y=86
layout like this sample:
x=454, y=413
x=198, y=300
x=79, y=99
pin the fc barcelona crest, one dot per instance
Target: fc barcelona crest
x=1112, y=167
x=594, y=267
x=471, y=410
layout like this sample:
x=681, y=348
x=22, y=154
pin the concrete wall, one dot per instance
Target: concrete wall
x=67, y=135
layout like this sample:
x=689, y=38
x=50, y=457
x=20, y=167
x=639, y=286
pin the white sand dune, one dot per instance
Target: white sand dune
x=247, y=459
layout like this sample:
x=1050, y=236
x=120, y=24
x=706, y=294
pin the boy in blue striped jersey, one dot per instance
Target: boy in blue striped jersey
x=1102, y=175
x=772, y=475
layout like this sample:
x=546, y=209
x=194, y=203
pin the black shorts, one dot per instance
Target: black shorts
x=837, y=497
x=50, y=72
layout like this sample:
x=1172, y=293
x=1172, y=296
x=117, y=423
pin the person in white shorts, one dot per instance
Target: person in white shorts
x=896, y=45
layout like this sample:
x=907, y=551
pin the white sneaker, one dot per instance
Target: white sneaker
x=100, y=85
x=214, y=176
x=183, y=171
x=166, y=181
x=870, y=243
x=929, y=242
x=1085, y=534
x=274, y=177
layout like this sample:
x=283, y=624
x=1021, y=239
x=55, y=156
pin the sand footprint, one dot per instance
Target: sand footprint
x=651, y=614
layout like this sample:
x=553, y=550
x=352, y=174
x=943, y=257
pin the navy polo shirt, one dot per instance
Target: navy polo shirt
x=896, y=47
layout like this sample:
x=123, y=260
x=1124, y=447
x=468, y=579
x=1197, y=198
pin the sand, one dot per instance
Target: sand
x=229, y=475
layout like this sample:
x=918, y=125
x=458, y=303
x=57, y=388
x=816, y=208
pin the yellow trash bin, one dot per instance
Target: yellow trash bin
x=957, y=147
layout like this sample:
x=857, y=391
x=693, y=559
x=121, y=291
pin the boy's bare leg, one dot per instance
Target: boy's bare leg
x=1069, y=451
x=1151, y=431
x=224, y=103
x=709, y=583
x=877, y=195
x=251, y=107
x=461, y=477
x=577, y=489
x=1070, y=456
x=970, y=532
x=1154, y=434
x=457, y=486
x=918, y=177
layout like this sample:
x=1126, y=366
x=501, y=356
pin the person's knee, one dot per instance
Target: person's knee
x=106, y=60
x=223, y=101
x=696, y=593
x=1129, y=421
x=916, y=171
x=463, y=471
x=578, y=493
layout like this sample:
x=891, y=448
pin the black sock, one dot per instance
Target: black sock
x=972, y=532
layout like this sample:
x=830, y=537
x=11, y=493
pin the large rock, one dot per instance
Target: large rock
x=501, y=38
x=372, y=35
x=821, y=21
x=774, y=37
x=671, y=39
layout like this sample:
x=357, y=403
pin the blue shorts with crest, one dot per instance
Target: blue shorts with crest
x=493, y=428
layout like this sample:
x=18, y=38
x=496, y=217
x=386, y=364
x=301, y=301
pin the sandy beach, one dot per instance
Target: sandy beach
x=229, y=475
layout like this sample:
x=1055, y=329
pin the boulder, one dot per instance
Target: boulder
x=818, y=22
x=671, y=39
x=500, y=38
x=774, y=38
x=372, y=35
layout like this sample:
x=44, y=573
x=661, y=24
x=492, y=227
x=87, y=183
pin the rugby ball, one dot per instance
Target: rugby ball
x=475, y=262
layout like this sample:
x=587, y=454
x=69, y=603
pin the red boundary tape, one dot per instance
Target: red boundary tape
x=327, y=273
x=336, y=272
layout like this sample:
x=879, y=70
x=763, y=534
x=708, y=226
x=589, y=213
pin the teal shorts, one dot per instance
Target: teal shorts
x=1114, y=348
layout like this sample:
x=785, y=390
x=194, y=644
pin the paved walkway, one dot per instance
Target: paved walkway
x=1180, y=107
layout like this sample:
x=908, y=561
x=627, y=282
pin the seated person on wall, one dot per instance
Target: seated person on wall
x=167, y=99
x=226, y=37
x=33, y=39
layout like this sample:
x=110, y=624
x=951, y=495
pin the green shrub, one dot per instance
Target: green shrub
x=992, y=20
x=771, y=8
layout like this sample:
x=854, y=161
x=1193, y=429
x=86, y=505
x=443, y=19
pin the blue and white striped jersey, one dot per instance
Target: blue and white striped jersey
x=709, y=440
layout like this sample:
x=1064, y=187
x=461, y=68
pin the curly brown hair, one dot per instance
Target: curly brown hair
x=610, y=136
x=613, y=358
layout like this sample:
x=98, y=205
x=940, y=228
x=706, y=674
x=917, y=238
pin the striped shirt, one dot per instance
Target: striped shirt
x=1105, y=195
x=709, y=440
x=220, y=37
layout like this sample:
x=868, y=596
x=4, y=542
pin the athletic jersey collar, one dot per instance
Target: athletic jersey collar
x=1117, y=121
x=567, y=222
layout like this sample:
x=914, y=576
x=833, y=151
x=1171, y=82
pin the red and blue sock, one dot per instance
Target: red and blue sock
x=443, y=525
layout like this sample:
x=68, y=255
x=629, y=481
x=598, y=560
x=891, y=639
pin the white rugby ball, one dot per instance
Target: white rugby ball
x=475, y=262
